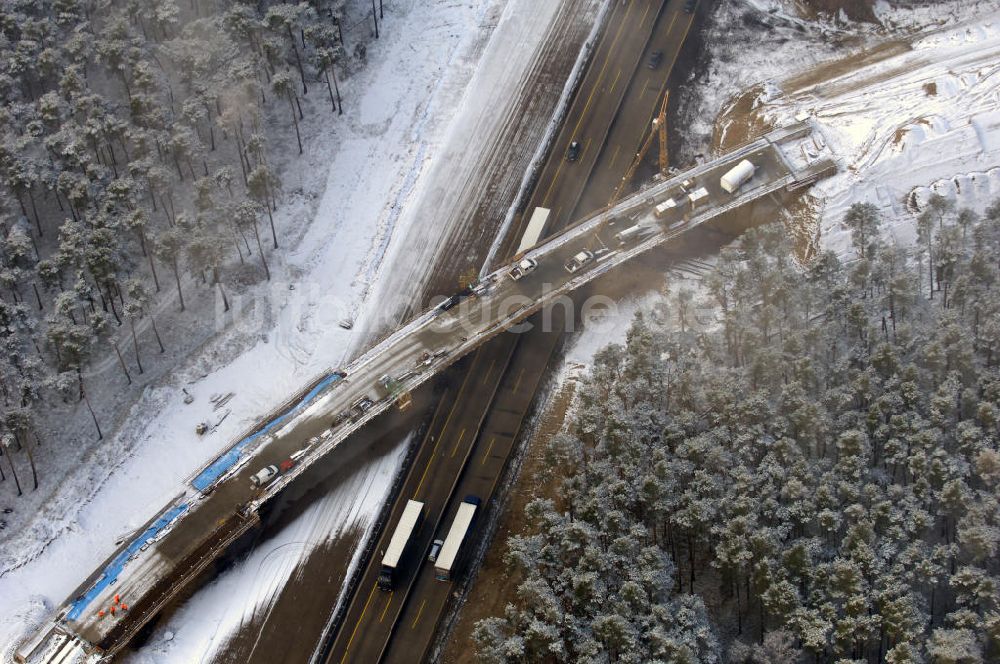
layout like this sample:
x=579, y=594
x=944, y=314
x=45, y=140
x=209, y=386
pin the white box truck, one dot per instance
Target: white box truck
x=666, y=207
x=737, y=176
x=698, y=197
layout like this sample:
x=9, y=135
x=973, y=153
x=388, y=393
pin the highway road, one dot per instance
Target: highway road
x=610, y=117
x=634, y=119
x=368, y=624
x=616, y=100
x=597, y=101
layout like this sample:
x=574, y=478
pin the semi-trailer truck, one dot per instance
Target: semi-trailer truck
x=444, y=566
x=408, y=522
x=536, y=226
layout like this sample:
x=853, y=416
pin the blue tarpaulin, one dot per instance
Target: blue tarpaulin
x=115, y=567
x=221, y=465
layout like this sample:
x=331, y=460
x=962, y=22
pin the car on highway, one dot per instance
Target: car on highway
x=655, y=59
x=579, y=260
x=689, y=6
x=574, y=151
x=435, y=550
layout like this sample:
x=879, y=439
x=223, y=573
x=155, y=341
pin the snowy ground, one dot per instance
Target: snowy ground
x=459, y=122
x=907, y=105
x=922, y=120
x=357, y=174
x=247, y=591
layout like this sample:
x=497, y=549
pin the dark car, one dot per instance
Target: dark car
x=574, y=151
x=689, y=6
x=435, y=550
x=655, y=58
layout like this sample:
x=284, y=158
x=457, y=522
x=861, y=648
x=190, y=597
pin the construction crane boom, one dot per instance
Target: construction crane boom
x=658, y=130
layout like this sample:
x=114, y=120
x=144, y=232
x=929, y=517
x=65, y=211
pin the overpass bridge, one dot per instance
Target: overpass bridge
x=220, y=502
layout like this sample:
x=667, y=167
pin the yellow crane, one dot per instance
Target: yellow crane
x=658, y=130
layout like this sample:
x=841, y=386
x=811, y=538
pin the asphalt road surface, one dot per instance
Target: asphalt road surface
x=399, y=625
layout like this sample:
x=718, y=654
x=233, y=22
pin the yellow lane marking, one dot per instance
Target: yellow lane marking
x=413, y=625
x=457, y=443
x=645, y=86
x=387, y=603
x=645, y=13
x=438, y=441
x=586, y=106
x=518, y=382
x=615, y=82
x=427, y=467
x=614, y=157
x=673, y=61
x=486, y=377
x=487, y=455
x=347, y=649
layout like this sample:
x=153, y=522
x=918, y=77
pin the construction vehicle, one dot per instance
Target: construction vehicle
x=657, y=131
x=361, y=406
x=393, y=386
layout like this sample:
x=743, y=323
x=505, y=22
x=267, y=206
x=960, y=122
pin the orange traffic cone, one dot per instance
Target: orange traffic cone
x=112, y=610
x=124, y=607
x=100, y=614
x=117, y=599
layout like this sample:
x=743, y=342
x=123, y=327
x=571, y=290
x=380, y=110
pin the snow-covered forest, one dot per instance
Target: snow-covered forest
x=136, y=175
x=803, y=467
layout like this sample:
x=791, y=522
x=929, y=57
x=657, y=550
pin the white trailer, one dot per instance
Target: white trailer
x=445, y=564
x=408, y=522
x=536, y=226
x=628, y=234
x=666, y=207
x=737, y=176
x=698, y=197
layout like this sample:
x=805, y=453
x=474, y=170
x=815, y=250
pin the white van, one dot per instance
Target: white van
x=264, y=475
